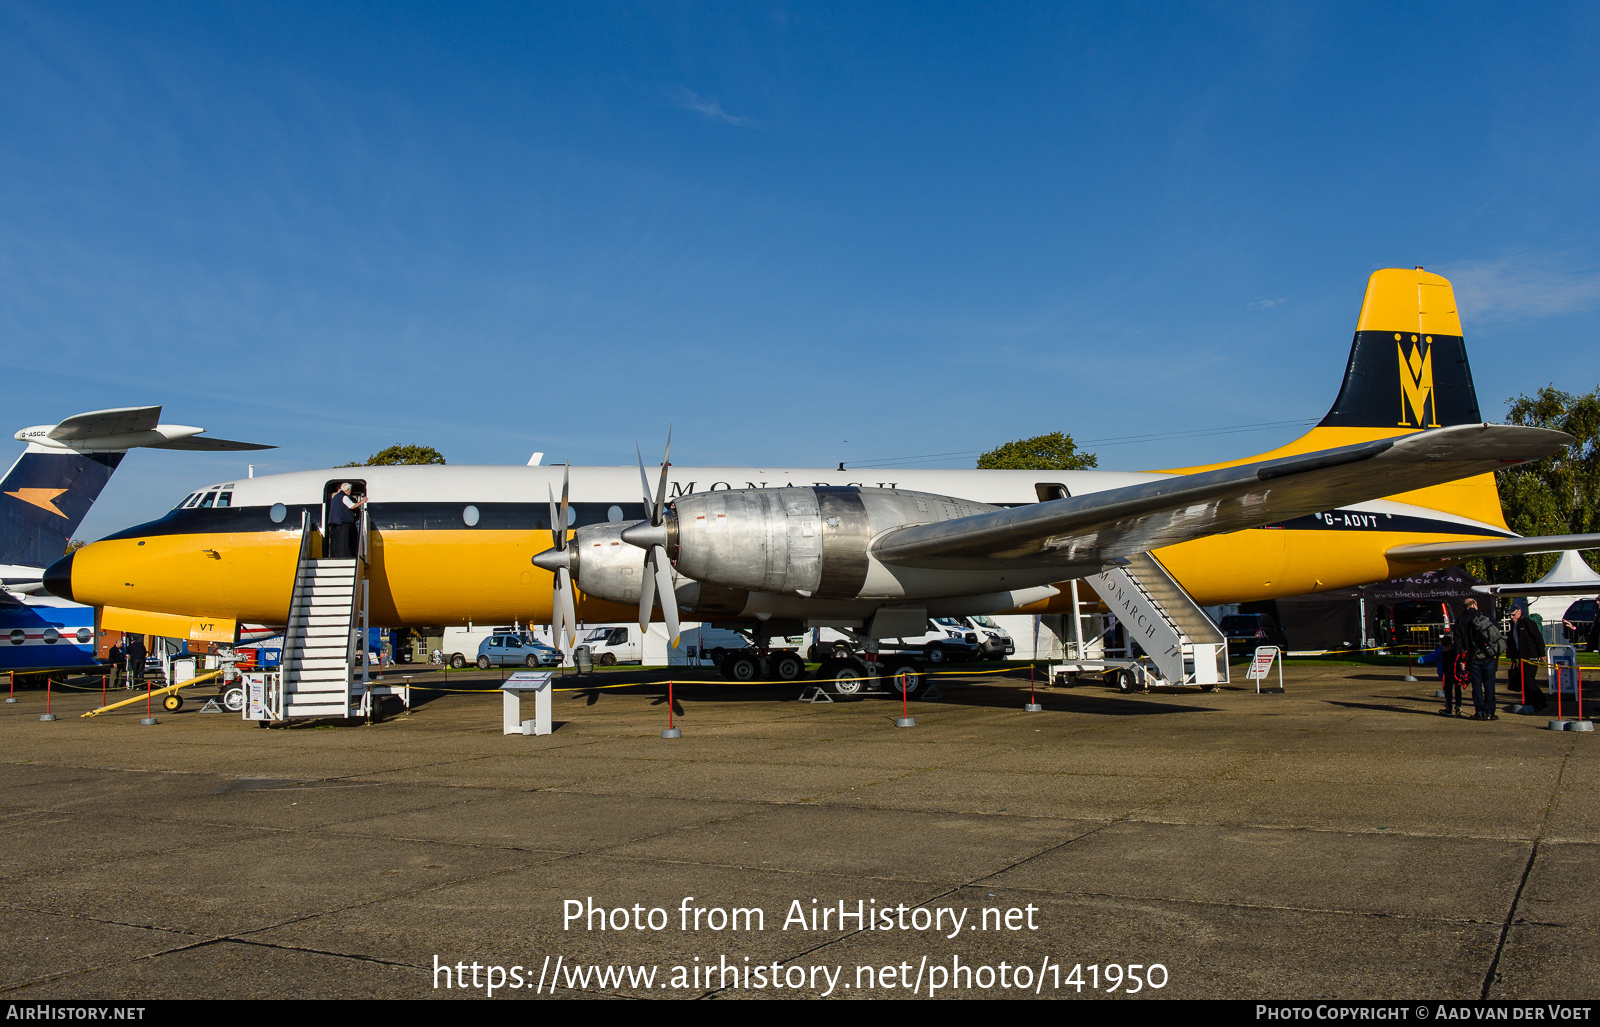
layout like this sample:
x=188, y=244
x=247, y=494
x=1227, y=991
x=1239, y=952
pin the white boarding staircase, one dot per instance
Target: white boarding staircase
x=327, y=614
x=1181, y=641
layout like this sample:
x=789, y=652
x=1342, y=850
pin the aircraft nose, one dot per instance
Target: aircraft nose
x=58, y=578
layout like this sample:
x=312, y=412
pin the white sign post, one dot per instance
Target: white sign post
x=1261, y=666
x=537, y=682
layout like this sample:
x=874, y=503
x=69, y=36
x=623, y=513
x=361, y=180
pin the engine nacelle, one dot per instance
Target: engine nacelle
x=606, y=567
x=810, y=542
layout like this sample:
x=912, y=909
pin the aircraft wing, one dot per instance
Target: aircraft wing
x=196, y=442
x=1101, y=527
x=1454, y=552
x=97, y=424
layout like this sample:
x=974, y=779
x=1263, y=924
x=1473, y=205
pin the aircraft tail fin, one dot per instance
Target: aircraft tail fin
x=1407, y=372
x=44, y=498
x=1408, y=364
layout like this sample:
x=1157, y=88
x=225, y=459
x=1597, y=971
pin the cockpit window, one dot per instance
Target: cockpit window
x=208, y=500
x=226, y=499
x=186, y=500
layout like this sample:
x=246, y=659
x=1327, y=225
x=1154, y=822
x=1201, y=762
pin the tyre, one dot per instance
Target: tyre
x=1126, y=680
x=172, y=702
x=458, y=661
x=787, y=667
x=233, y=698
x=743, y=668
x=608, y=659
x=935, y=654
x=906, y=677
x=483, y=663
x=844, y=677
x=531, y=661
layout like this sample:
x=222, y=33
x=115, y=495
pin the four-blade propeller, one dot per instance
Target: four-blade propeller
x=658, y=569
x=563, y=611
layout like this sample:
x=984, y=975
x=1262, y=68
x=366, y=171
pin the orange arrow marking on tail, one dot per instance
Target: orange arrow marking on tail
x=41, y=498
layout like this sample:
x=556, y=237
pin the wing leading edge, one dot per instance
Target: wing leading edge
x=1102, y=527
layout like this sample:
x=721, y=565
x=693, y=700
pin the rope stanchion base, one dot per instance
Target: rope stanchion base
x=148, y=720
x=672, y=732
x=1033, y=707
x=47, y=716
x=11, y=698
x=1580, y=725
x=905, y=722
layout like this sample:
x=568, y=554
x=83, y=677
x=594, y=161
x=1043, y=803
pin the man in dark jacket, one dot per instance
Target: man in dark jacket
x=1525, y=647
x=136, y=657
x=1482, y=643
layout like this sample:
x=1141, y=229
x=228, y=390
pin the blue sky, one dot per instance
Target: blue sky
x=800, y=233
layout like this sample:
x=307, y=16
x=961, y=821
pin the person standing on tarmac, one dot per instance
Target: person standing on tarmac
x=1525, y=646
x=136, y=657
x=342, y=523
x=1452, y=664
x=1483, y=644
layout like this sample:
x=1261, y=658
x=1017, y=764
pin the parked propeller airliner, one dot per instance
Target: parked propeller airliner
x=1401, y=463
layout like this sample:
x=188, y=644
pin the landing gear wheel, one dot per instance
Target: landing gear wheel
x=787, y=667
x=483, y=663
x=1126, y=681
x=843, y=677
x=233, y=698
x=531, y=661
x=172, y=702
x=742, y=668
x=935, y=654
x=906, y=677
x=458, y=661
x=842, y=652
x=1066, y=679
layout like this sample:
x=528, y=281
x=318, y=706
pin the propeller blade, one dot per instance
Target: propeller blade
x=565, y=474
x=647, y=595
x=558, y=537
x=569, y=616
x=644, y=480
x=661, y=490
x=669, y=597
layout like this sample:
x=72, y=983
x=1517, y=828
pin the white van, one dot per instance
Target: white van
x=611, y=645
x=994, y=641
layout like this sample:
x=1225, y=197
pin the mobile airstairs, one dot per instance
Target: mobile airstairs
x=322, y=641
x=1181, y=646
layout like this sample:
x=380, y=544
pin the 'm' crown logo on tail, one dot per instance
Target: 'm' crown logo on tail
x=1418, y=408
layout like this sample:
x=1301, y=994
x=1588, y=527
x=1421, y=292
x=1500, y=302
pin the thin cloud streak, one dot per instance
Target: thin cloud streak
x=1523, y=285
x=688, y=100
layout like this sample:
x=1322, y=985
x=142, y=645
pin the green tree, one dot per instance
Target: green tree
x=1559, y=495
x=1053, y=452
x=397, y=455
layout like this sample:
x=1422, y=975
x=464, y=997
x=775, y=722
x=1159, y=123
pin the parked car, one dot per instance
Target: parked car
x=1581, y=615
x=1247, y=631
x=515, y=651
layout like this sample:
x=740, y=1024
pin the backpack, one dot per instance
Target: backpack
x=1487, y=639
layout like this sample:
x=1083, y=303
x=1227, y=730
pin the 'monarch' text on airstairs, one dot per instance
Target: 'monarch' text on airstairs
x=1181, y=645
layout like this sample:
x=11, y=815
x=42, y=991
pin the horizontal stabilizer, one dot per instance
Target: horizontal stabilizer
x=97, y=424
x=1097, y=528
x=1453, y=552
x=196, y=442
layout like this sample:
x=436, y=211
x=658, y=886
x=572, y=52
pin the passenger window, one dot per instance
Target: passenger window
x=512, y=643
x=226, y=499
x=206, y=502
